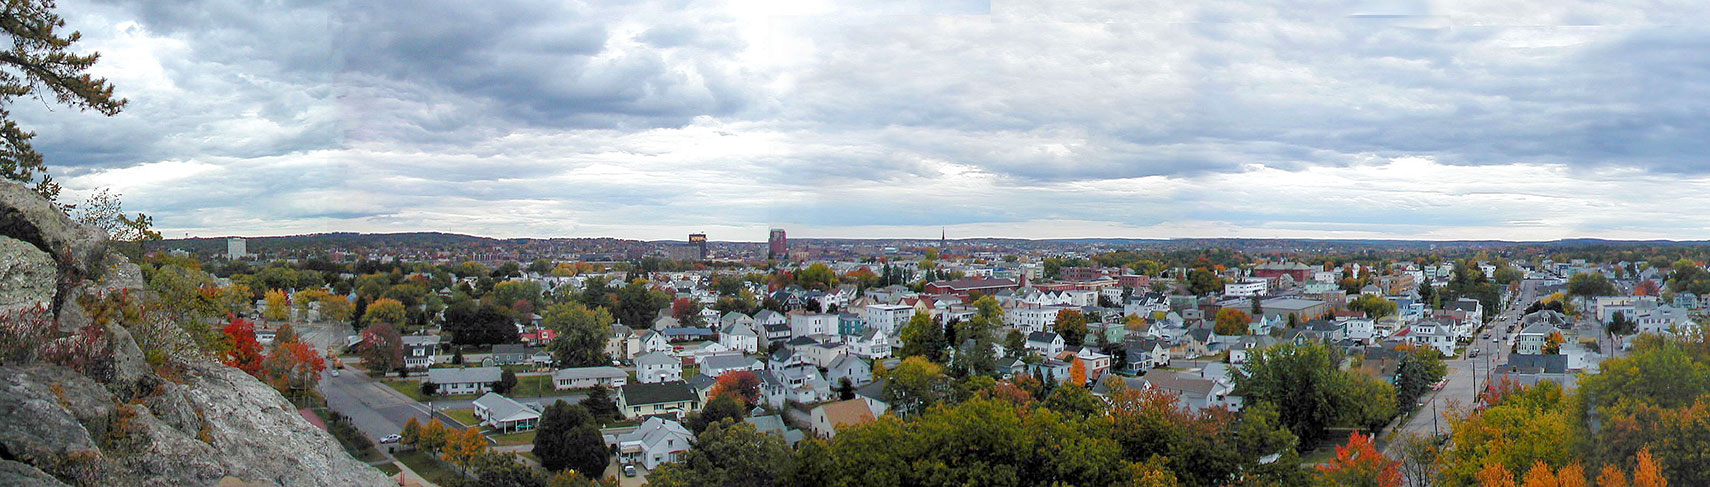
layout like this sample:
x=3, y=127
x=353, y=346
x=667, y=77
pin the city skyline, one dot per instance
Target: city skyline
x=1387, y=120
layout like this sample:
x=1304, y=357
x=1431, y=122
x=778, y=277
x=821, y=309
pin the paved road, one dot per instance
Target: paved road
x=1466, y=375
x=375, y=409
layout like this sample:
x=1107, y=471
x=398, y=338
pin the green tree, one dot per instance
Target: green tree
x=40, y=61
x=638, y=304
x=1373, y=306
x=582, y=334
x=916, y=384
x=1072, y=326
x=730, y=453
x=568, y=438
x=1589, y=284
x=599, y=403
x=719, y=408
x=1308, y=388
x=507, y=382
x=923, y=337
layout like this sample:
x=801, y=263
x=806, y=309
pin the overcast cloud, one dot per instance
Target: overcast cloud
x=1433, y=120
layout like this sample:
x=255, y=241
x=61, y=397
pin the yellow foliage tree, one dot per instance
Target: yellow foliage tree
x=384, y=310
x=278, y=306
x=462, y=448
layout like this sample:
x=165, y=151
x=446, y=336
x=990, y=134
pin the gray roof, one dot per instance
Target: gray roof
x=480, y=375
x=1041, y=336
x=589, y=373
x=702, y=381
x=504, y=408
x=727, y=362
x=1549, y=364
x=420, y=340
x=655, y=358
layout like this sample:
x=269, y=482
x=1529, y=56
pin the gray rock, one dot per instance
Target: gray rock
x=22, y=475
x=26, y=276
x=26, y=216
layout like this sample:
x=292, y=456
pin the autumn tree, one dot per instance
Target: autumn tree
x=1077, y=372
x=278, y=306
x=242, y=349
x=292, y=364
x=743, y=385
x=1358, y=463
x=384, y=310
x=463, y=448
x=382, y=348
x=1495, y=475
x=1646, y=473
x=38, y=61
x=1553, y=343
x=1540, y=475
x=1072, y=326
x=1232, y=321
x=916, y=384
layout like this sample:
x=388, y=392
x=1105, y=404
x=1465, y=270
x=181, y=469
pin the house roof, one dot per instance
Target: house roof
x=604, y=372
x=480, y=375
x=1171, y=381
x=656, y=358
x=420, y=340
x=702, y=382
x=512, y=349
x=1042, y=337
x=502, y=408
x=850, y=412
x=663, y=392
x=724, y=362
x=1549, y=364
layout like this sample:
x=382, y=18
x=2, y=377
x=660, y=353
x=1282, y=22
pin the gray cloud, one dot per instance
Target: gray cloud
x=645, y=118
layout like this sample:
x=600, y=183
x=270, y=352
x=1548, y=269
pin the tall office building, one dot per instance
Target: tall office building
x=236, y=249
x=699, y=240
x=779, y=247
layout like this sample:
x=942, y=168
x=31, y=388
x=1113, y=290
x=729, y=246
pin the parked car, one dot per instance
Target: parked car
x=1474, y=353
x=629, y=470
x=335, y=373
x=390, y=439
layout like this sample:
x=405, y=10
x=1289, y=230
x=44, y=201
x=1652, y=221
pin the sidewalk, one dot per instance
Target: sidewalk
x=410, y=477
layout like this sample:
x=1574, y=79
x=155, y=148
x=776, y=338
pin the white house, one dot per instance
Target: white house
x=822, y=354
x=887, y=318
x=655, y=367
x=653, y=341
x=472, y=380
x=419, y=350
x=1047, y=343
x=585, y=377
x=656, y=441
x=807, y=324
x=1252, y=286
x=505, y=414
x=740, y=336
x=871, y=344
x=1096, y=363
x=1428, y=333
x=1032, y=318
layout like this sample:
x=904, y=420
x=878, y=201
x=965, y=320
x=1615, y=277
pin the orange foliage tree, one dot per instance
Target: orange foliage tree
x=1495, y=475
x=1358, y=463
x=1078, y=372
x=1646, y=473
x=1539, y=476
x=743, y=384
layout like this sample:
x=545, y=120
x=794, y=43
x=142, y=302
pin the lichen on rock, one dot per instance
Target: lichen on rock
x=106, y=417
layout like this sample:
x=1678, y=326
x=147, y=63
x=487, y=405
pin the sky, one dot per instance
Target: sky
x=1040, y=119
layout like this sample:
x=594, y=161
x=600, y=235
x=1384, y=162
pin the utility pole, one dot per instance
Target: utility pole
x=1434, y=430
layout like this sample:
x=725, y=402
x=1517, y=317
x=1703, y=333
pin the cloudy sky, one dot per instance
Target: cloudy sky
x=652, y=119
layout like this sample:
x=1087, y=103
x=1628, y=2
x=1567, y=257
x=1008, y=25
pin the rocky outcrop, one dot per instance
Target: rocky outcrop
x=115, y=420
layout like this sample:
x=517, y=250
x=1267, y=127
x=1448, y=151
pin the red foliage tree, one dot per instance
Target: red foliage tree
x=1359, y=463
x=242, y=350
x=742, y=383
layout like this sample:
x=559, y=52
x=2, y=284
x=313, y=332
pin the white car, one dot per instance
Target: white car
x=390, y=439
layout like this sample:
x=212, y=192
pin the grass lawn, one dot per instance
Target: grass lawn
x=390, y=469
x=465, y=416
x=429, y=468
x=412, y=388
x=533, y=386
x=510, y=439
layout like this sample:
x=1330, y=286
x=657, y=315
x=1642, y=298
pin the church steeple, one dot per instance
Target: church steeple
x=943, y=242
